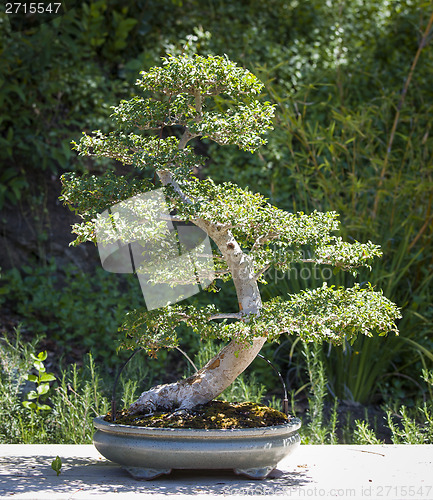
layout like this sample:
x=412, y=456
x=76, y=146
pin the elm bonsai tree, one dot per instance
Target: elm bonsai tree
x=249, y=235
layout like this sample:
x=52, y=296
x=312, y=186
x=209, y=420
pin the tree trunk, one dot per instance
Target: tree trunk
x=220, y=372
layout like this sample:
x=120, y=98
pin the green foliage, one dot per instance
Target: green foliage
x=255, y=223
x=90, y=195
x=406, y=426
x=331, y=314
x=67, y=307
x=43, y=95
x=187, y=82
x=317, y=430
x=211, y=75
x=12, y=185
x=243, y=124
x=76, y=398
x=326, y=313
x=363, y=434
x=36, y=399
x=413, y=425
x=270, y=236
x=56, y=465
x=79, y=398
x=15, y=364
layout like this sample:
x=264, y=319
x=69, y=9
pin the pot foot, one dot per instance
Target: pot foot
x=256, y=472
x=145, y=473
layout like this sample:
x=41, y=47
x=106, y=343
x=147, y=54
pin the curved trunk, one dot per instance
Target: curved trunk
x=233, y=359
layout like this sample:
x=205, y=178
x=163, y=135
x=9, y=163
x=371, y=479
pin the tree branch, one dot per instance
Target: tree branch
x=170, y=218
x=263, y=239
x=262, y=271
x=238, y=315
x=198, y=105
x=186, y=136
x=166, y=177
x=221, y=272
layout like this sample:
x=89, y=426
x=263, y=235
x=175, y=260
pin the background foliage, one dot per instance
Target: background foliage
x=335, y=70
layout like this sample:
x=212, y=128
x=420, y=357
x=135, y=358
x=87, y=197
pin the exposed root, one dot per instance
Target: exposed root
x=184, y=395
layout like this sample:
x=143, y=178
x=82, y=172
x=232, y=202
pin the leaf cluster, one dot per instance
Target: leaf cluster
x=242, y=126
x=152, y=113
x=272, y=236
x=209, y=75
x=326, y=313
x=35, y=398
x=142, y=152
x=89, y=195
x=330, y=313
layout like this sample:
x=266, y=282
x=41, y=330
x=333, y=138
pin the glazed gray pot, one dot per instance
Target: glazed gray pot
x=148, y=452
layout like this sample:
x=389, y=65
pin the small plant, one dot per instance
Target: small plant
x=363, y=434
x=317, y=431
x=36, y=398
x=413, y=426
x=56, y=465
x=77, y=397
x=77, y=400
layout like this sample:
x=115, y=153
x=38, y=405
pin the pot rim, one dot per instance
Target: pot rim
x=113, y=427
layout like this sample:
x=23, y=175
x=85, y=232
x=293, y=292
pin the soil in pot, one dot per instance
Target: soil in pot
x=213, y=415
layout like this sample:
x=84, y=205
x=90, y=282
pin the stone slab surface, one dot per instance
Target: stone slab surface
x=339, y=471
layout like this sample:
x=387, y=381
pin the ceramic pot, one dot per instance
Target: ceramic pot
x=148, y=452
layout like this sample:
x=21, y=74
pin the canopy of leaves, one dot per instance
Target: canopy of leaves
x=148, y=114
x=267, y=235
x=89, y=195
x=271, y=236
x=209, y=75
x=141, y=151
x=322, y=314
x=186, y=82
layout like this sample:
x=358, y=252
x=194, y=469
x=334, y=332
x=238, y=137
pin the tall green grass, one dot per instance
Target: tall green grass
x=333, y=159
x=405, y=425
x=77, y=396
x=75, y=399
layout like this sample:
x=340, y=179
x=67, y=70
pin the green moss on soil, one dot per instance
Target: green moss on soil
x=213, y=415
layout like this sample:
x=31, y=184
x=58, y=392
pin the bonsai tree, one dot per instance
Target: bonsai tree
x=211, y=98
